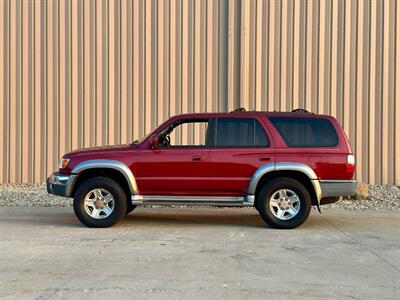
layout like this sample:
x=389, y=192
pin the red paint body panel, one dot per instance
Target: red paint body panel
x=172, y=171
x=217, y=171
x=232, y=169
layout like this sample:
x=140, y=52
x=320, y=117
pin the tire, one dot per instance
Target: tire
x=129, y=207
x=100, y=202
x=284, y=203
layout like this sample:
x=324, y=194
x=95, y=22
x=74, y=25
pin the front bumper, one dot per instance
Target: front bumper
x=60, y=184
x=337, y=188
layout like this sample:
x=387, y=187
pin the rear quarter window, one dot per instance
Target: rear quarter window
x=305, y=132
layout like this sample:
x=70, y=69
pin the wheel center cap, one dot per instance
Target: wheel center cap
x=284, y=204
x=100, y=203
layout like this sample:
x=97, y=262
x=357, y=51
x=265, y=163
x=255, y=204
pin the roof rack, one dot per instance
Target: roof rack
x=300, y=111
x=240, y=109
x=297, y=110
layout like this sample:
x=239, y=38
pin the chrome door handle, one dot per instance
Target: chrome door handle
x=265, y=158
x=197, y=158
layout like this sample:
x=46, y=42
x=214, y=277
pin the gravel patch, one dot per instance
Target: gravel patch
x=380, y=197
x=29, y=195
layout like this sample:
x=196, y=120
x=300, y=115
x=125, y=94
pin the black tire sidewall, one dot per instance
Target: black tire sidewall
x=283, y=183
x=110, y=185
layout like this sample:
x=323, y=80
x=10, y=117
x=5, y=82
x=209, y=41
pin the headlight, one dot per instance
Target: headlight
x=63, y=163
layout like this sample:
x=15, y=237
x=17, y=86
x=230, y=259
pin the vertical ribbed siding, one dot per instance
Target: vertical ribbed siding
x=86, y=73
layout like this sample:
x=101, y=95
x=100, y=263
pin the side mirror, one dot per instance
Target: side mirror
x=154, y=142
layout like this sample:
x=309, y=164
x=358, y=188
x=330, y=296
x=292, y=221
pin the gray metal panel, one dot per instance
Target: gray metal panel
x=83, y=73
x=336, y=188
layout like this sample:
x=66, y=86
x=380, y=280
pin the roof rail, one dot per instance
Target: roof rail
x=240, y=109
x=300, y=111
x=297, y=110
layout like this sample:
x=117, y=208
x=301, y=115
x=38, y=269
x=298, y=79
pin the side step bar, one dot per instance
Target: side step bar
x=192, y=200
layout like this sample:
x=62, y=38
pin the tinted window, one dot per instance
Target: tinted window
x=240, y=133
x=305, y=132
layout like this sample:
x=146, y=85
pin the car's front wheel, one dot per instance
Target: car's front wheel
x=100, y=202
x=284, y=203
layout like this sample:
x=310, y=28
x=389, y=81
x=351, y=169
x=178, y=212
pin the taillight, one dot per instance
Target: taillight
x=351, y=162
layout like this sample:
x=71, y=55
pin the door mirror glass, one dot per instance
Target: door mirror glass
x=154, y=142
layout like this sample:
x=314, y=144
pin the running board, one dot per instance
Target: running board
x=192, y=200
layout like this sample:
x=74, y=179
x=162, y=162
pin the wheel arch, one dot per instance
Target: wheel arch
x=299, y=171
x=109, y=168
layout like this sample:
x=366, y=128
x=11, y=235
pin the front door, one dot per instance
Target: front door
x=241, y=146
x=180, y=164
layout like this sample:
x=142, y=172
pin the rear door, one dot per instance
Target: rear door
x=240, y=146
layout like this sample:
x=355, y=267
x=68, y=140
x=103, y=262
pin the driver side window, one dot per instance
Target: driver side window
x=186, y=134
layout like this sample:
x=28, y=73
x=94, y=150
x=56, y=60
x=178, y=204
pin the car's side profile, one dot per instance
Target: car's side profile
x=280, y=163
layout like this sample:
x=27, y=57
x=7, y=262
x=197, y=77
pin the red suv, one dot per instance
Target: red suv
x=280, y=163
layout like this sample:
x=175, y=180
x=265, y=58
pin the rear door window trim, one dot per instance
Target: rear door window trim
x=214, y=124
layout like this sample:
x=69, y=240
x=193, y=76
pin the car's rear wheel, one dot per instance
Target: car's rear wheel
x=100, y=202
x=284, y=203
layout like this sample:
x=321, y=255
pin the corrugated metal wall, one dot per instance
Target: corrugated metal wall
x=83, y=73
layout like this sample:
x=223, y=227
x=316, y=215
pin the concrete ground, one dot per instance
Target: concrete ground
x=199, y=254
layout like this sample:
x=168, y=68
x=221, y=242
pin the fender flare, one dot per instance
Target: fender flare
x=285, y=166
x=109, y=164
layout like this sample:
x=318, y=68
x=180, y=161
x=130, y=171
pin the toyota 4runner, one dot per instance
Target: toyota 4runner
x=280, y=163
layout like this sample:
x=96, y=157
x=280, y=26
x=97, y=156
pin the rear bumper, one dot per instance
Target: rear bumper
x=60, y=184
x=337, y=188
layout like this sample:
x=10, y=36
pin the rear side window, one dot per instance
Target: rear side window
x=238, y=132
x=305, y=132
